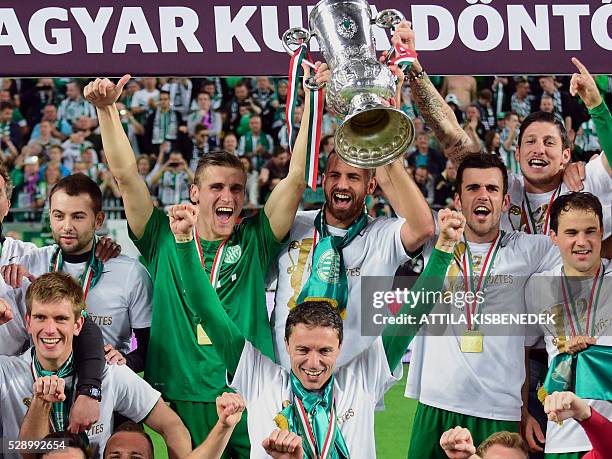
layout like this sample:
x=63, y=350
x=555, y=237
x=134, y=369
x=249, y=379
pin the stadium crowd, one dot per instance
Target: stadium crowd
x=204, y=150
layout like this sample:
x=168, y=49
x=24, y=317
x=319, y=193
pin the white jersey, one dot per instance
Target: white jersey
x=487, y=384
x=544, y=294
x=14, y=338
x=376, y=251
x=123, y=391
x=597, y=181
x=358, y=385
x=119, y=302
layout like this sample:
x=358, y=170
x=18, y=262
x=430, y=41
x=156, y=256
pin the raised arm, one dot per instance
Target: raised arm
x=225, y=336
x=286, y=196
x=584, y=85
x=396, y=338
x=435, y=111
x=408, y=202
x=103, y=94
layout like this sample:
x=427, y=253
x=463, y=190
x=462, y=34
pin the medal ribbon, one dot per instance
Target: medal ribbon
x=91, y=274
x=485, y=272
x=572, y=309
x=527, y=214
x=217, y=261
x=314, y=118
x=310, y=437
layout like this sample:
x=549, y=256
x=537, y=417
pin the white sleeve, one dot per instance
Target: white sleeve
x=597, y=180
x=543, y=253
x=140, y=296
x=255, y=371
x=369, y=371
x=134, y=397
x=14, y=337
x=387, y=235
x=533, y=306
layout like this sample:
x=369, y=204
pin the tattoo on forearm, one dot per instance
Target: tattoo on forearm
x=441, y=118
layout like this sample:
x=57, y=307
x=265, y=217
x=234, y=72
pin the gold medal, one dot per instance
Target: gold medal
x=472, y=341
x=203, y=339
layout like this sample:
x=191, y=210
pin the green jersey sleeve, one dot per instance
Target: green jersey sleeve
x=396, y=338
x=269, y=246
x=156, y=229
x=603, y=124
x=225, y=336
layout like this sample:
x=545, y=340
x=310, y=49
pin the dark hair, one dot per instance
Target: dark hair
x=314, y=314
x=482, y=161
x=70, y=440
x=163, y=91
x=8, y=183
x=129, y=426
x=199, y=128
x=579, y=200
x=76, y=184
x=279, y=150
x=5, y=105
x=489, y=136
x=217, y=158
x=507, y=115
x=543, y=117
x=325, y=139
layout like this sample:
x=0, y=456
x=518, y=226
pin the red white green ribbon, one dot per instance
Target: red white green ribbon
x=326, y=449
x=571, y=308
x=485, y=272
x=404, y=57
x=314, y=119
x=91, y=274
x=218, y=260
x=527, y=214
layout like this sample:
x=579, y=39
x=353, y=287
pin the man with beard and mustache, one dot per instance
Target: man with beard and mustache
x=483, y=372
x=118, y=291
x=235, y=253
x=577, y=292
x=332, y=248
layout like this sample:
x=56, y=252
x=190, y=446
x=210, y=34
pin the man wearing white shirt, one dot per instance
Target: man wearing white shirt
x=44, y=377
x=577, y=292
x=118, y=291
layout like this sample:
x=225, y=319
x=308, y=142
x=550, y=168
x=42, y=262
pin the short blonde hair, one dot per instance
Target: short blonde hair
x=508, y=439
x=54, y=287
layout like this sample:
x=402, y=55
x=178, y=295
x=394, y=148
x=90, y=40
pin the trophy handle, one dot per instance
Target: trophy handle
x=297, y=36
x=388, y=19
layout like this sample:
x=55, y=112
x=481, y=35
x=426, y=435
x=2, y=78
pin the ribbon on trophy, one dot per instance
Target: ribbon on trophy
x=404, y=57
x=314, y=119
x=587, y=373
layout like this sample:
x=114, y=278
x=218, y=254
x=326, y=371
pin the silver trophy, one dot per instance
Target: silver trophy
x=372, y=133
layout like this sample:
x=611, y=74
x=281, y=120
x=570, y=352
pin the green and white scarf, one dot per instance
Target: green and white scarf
x=327, y=280
x=313, y=417
x=60, y=411
x=165, y=126
x=250, y=146
x=92, y=273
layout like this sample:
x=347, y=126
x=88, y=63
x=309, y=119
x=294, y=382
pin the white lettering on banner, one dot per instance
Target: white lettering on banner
x=37, y=27
x=269, y=26
x=599, y=26
x=93, y=29
x=495, y=27
x=571, y=23
x=227, y=28
x=524, y=27
x=538, y=31
x=420, y=23
x=133, y=17
x=171, y=33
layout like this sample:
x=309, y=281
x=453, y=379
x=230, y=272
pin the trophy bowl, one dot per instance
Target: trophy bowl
x=371, y=133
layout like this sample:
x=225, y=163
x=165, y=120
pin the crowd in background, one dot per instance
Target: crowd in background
x=48, y=131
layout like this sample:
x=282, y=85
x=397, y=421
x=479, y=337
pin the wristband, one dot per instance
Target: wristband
x=90, y=391
x=418, y=76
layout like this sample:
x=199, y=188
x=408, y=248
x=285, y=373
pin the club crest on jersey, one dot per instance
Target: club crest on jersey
x=232, y=254
x=327, y=267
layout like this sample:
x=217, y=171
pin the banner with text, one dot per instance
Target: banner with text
x=216, y=37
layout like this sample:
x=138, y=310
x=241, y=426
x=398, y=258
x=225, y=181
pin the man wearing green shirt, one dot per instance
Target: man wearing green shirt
x=331, y=408
x=181, y=362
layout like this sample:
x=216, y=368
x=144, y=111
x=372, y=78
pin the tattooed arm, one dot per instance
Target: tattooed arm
x=435, y=111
